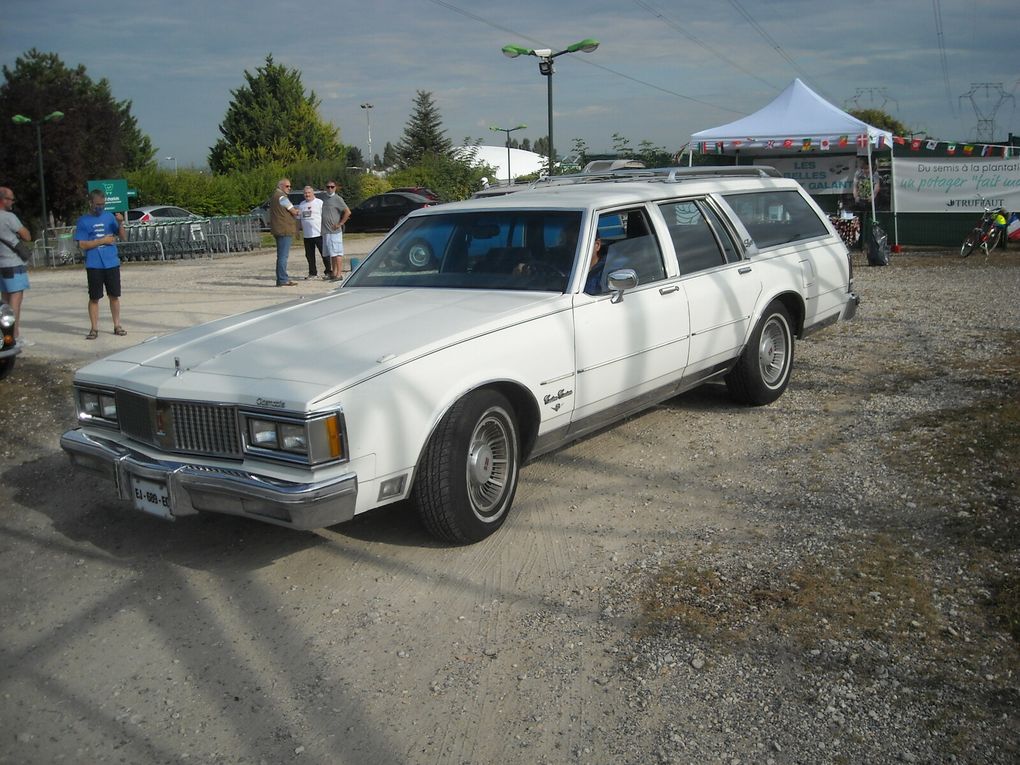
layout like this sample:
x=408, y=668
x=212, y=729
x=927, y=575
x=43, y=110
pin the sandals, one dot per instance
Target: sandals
x=119, y=330
x=92, y=335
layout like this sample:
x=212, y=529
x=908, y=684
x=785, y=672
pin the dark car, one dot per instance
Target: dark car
x=261, y=213
x=422, y=191
x=157, y=213
x=383, y=211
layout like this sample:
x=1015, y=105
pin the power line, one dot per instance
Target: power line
x=585, y=60
x=768, y=38
x=986, y=110
x=940, y=36
x=697, y=41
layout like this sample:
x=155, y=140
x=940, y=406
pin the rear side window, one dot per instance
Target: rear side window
x=774, y=218
x=695, y=243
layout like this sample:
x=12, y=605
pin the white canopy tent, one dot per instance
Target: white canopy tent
x=797, y=114
x=795, y=117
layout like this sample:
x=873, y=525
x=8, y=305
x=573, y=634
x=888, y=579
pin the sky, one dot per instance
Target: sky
x=663, y=70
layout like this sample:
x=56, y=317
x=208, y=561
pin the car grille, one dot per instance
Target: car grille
x=180, y=426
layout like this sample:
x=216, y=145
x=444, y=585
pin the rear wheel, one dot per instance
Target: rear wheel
x=7, y=366
x=970, y=243
x=468, y=473
x=993, y=239
x=763, y=369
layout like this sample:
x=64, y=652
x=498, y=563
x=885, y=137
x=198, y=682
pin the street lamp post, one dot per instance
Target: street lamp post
x=21, y=119
x=545, y=58
x=368, y=120
x=508, y=131
x=174, y=160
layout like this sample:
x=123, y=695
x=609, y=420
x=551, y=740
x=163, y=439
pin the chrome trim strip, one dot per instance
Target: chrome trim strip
x=738, y=320
x=674, y=341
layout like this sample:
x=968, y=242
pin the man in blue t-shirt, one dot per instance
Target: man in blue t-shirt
x=97, y=233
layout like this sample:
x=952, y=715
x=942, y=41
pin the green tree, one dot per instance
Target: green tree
x=97, y=138
x=880, y=119
x=423, y=134
x=270, y=119
x=541, y=146
x=621, y=145
x=580, y=148
x=354, y=157
x=389, y=155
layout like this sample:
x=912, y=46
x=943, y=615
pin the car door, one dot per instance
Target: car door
x=721, y=287
x=634, y=350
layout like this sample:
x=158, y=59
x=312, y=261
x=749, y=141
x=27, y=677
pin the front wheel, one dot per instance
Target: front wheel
x=468, y=472
x=970, y=243
x=763, y=369
x=993, y=239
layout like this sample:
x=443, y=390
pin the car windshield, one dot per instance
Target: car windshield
x=495, y=250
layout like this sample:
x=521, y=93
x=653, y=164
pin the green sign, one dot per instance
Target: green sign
x=116, y=193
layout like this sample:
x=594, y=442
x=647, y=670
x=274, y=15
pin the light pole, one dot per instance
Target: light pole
x=545, y=67
x=21, y=119
x=370, y=161
x=174, y=160
x=508, y=131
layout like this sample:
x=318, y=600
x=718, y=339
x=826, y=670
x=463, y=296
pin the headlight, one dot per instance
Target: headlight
x=6, y=316
x=313, y=441
x=97, y=406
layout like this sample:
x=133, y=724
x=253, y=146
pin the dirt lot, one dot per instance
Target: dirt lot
x=832, y=578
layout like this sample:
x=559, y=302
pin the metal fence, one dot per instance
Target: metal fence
x=166, y=240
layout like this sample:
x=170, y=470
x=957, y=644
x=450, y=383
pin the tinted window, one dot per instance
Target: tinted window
x=693, y=238
x=773, y=218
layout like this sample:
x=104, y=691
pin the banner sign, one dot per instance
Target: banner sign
x=950, y=184
x=817, y=174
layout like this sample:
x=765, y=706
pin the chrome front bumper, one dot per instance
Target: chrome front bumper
x=197, y=488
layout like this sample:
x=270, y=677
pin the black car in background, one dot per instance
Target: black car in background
x=383, y=211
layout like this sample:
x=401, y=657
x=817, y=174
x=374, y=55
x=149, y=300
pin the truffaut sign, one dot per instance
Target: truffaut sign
x=116, y=193
x=956, y=185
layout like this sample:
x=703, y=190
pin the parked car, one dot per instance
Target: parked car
x=9, y=347
x=156, y=213
x=422, y=191
x=383, y=211
x=261, y=213
x=470, y=340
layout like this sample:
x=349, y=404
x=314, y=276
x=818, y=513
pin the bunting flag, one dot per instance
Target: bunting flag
x=951, y=149
x=899, y=139
x=931, y=145
x=788, y=143
x=968, y=149
x=806, y=145
x=985, y=151
x=843, y=141
x=770, y=144
x=719, y=146
x=824, y=144
x=862, y=140
x=915, y=144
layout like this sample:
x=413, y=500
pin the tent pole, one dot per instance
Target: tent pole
x=892, y=198
x=871, y=177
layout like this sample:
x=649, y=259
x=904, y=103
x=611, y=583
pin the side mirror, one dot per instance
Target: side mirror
x=619, y=281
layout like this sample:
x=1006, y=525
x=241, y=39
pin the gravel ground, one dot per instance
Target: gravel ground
x=832, y=578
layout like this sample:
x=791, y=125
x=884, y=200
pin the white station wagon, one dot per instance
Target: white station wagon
x=475, y=337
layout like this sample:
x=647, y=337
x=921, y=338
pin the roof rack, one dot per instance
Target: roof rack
x=660, y=174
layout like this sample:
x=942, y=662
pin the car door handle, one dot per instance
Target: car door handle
x=668, y=290
x=744, y=270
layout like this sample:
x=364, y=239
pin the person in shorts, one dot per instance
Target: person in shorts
x=335, y=213
x=97, y=233
x=13, y=273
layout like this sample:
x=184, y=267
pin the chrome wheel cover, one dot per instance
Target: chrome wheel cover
x=773, y=352
x=489, y=465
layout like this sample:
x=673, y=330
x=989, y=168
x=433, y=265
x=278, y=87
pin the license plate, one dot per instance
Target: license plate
x=151, y=497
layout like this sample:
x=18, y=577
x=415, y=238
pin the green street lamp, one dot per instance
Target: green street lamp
x=545, y=58
x=508, y=131
x=21, y=119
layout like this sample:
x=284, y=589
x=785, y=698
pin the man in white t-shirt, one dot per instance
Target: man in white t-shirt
x=311, y=229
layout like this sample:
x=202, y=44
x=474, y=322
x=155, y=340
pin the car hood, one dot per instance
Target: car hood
x=297, y=352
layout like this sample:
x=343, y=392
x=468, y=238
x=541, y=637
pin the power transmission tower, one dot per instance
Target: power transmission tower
x=873, y=95
x=986, y=107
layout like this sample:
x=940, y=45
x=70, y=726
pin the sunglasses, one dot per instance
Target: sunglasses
x=330, y=187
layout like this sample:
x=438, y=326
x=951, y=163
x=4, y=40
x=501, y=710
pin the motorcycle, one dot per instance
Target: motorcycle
x=9, y=348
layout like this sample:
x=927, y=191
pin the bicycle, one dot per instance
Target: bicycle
x=986, y=234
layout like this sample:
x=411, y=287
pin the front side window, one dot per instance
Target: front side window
x=501, y=250
x=626, y=241
x=774, y=218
